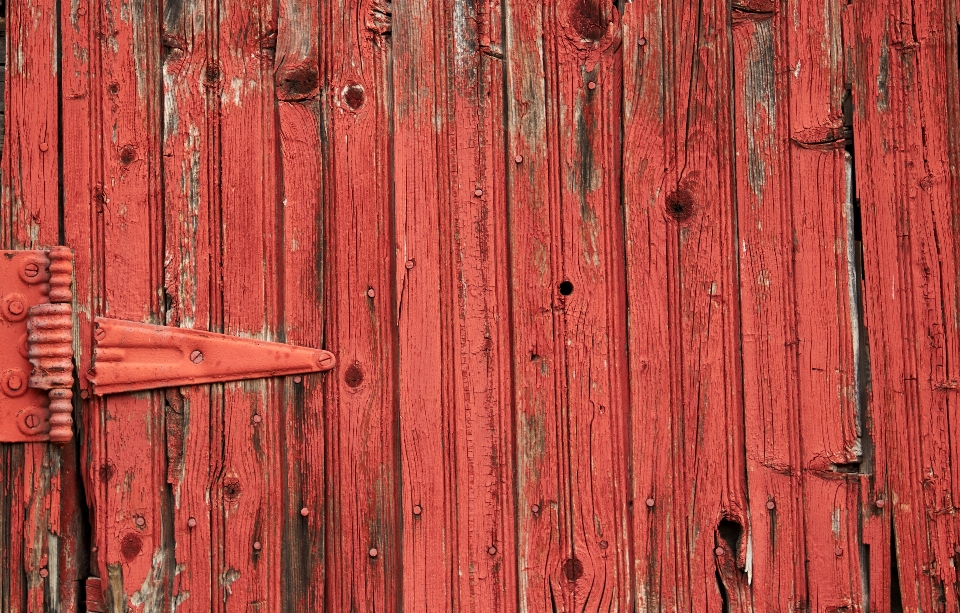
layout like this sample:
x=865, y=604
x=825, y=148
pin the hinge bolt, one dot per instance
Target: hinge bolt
x=14, y=382
x=31, y=270
x=326, y=359
x=196, y=356
x=16, y=307
x=32, y=421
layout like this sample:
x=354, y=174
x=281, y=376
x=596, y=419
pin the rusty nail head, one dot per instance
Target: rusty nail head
x=43, y=146
x=650, y=502
x=371, y=293
x=535, y=508
x=880, y=503
x=771, y=505
x=192, y=522
x=15, y=307
x=257, y=545
x=409, y=264
x=44, y=572
x=718, y=551
x=196, y=356
x=256, y=418
x=373, y=552
x=592, y=85
x=15, y=382
x=838, y=551
x=518, y=159
x=304, y=511
x=642, y=41
x=417, y=509
x=492, y=550
x=31, y=270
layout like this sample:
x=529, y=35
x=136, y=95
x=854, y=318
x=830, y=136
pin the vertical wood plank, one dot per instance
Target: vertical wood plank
x=133, y=554
x=680, y=212
x=249, y=487
x=363, y=519
x=906, y=102
x=422, y=126
x=564, y=96
x=297, y=86
x=474, y=286
x=190, y=149
x=29, y=208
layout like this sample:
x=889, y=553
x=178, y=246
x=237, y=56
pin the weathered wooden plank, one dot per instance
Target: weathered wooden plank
x=422, y=159
x=564, y=79
x=297, y=86
x=190, y=150
x=768, y=307
x=905, y=94
x=659, y=563
x=363, y=555
x=126, y=479
x=680, y=224
x=249, y=488
x=29, y=208
x=476, y=308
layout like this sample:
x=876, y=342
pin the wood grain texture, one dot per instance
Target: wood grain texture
x=362, y=487
x=905, y=101
x=566, y=236
x=191, y=231
x=29, y=208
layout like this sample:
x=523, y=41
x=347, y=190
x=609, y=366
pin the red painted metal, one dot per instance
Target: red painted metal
x=130, y=356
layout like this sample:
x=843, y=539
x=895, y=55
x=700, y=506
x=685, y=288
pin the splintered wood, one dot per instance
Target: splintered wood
x=637, y=306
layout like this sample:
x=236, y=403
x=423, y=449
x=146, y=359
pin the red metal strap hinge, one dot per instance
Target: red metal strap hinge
x=37, y=351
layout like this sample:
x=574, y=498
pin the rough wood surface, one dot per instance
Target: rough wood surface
x=638, y=306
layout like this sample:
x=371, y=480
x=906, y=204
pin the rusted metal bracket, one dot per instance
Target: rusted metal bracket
x=36, y=351
x=36, y=363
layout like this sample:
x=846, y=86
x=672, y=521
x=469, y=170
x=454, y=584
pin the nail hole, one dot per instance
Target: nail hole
x=566, y=288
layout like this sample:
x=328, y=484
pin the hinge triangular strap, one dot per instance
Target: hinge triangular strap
x=131, y=356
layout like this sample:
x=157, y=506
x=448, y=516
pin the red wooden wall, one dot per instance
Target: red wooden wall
x=638, y=306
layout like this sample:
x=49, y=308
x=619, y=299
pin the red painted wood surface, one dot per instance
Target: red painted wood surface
x=638, y=306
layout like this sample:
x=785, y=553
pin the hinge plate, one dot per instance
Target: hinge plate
x=36, y=375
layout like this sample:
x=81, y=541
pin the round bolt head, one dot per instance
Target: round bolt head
x=478, y=192
x=592, y=85
x=881, y=503
x=298, y=379
x=15, y=382
x=15, y=307
x=642, y=41
x=304, y=511
x=771, y=505
x=257, y=419
x=417, y=509
x=196, y=356
x=141, y=521
x=99, y=333
x=718, y=551
x=44, y=146
x=44, y=572
x=32, y=421
x=518, y=159
x=650, y=502
x=257, y=546
x=604, y=544
x=409, y=265
x=492, y=550
x=31, y=270
x=371, y=293
x=373, y=552
x=838, y=551
x=192, y=522
x=535, y=508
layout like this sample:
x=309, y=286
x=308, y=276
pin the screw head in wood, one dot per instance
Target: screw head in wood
x=31, y=270
x=196, y=356
x=304, y=511
x=99, y=333
x=257, y=546
x=373, y=552
x=192, y=522
x=604, y=544
x=326, y=360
